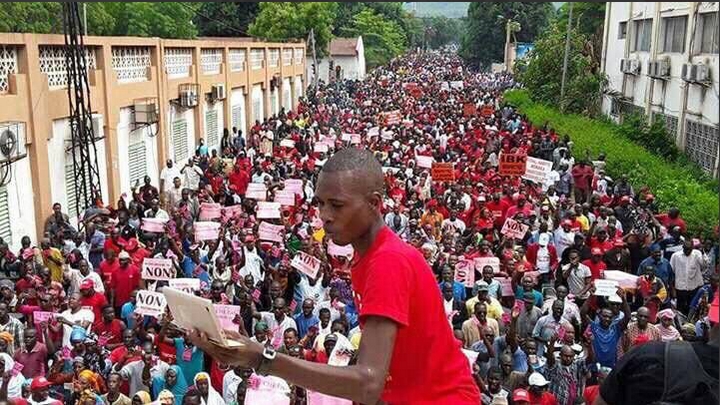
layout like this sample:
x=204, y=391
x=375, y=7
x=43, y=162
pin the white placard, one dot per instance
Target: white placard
x=492, y=261
x=206, y=230
x=268, y=210
x=536, y=169
x=188, y=285
x=288, y=143
x=514, y=229
x=285, y=198
x=337, y=250
x=424, y=161
x=256, y=191
x=150, y=303
x=158, y=269
x=270, y=232
x=306, y=264
x=624, y=280
x=606, y=287
x=320, y=148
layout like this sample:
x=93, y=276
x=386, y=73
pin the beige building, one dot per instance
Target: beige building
x=152, y=100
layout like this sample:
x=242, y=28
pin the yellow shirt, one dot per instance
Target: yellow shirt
x=494, y=309
x=56, y=270
x=584, y=222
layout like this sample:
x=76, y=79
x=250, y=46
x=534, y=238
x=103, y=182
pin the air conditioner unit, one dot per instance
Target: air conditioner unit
x=146, y=113
x=12, y=141
x=659, y=68
x=188, y=98
x=695, y=73
x=218, y=91
x=632, y=66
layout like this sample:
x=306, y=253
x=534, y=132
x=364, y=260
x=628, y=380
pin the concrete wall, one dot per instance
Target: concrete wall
x=124, y=72
x=672, y=97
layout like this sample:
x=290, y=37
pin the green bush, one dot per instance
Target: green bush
x=675, y=184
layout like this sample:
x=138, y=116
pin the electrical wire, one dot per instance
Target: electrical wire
x=198, y=13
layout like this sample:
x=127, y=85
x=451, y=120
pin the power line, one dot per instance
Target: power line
x=197, y=12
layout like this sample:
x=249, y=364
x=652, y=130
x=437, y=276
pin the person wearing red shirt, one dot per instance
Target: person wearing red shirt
x=601, y=241
x=240, y=179
x=92, y=299
x=123, y=281
x=108, y=266
x=582, y=175
x=671, y=219
x=408, y=354
x=595, y=263
x=109, y=329
x=498, y=207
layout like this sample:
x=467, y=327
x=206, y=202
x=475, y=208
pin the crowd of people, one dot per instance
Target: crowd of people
x=531, y=311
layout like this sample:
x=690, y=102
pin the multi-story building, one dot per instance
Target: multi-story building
x=662, y=60
x=152, y=100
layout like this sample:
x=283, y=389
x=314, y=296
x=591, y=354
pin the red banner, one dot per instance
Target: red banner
x=442, y=172
x=512, y=164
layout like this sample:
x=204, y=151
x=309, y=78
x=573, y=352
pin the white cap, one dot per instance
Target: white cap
x=537, y=380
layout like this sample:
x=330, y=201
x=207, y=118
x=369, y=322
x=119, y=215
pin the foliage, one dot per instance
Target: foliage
x=411, y=26
x=484, y=39
x=454, y=9
x=383, y=38
x=285, y=21
x=441, y=31
x=652, y=136
x=39, y=17
x=588, y=19
x=225, y=19
x=674, y=184
x=541, y=72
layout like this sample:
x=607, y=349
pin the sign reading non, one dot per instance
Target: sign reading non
x=158, y=269
x=514, y=229
x=150, y=303
x=306, y=264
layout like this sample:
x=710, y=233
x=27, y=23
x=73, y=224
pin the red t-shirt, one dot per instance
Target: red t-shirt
x=545, y=398
x=123, y=282
x=596, y=269
x=113, y=330
x=392, y=280
x=97, y=301
x=107, y=269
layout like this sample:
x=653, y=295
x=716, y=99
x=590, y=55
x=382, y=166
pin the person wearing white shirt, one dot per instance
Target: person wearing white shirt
x=564, y=237
x=687, y=265
x=75, y=316
x=453, y=223
x=133, y=371
x=253, y=263
x=277, y=321
x=82, y=273
x=192, y=175
x=168, y=173
x=231, y=381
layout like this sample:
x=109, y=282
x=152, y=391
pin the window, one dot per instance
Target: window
x=211, y=128
x=674, y=34
x=180, y=140
x=73, y=185
x=622, y=30
x=237, y=117
x=708, y=33
x=256, y=58
x=5, y=228
x=642, y=35
x=138, y=169
x=701, y=143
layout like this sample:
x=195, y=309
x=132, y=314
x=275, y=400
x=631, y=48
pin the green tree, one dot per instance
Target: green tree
x=589, y=19
x=284, y=21
x=541, y=72
x=383, y=39
x=440, y=31
x=38, y=17
x=99, y=20
x=484, y=39
x=225, y=19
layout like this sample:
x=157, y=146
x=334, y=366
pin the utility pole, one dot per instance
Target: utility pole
x=565, y=60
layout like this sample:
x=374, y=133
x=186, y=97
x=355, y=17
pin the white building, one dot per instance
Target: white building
x=348, y=53
x=662, y=59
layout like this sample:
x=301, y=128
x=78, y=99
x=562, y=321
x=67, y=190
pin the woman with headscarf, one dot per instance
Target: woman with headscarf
x=11, y=386
x=86, y=381
x=208, y=395
x=173, y=382
x=167, y=398
x=6, y=342
x=141, y=397
x=668, y=332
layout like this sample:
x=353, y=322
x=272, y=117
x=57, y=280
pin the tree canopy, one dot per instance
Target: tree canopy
x=383, y=38
x=225, y=19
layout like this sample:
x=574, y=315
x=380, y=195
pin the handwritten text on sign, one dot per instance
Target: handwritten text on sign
x=306, y=264
x=207, y=230
x=506, y=289
x=285, y=197
x=536, y=169
x=270, y=232
x=514, y=229
x=209, y=211
x=268, y=210
x=226, y=314
x=424, y=161
x=153, y=225
x=492, y=261
x=150, y=303
x=442, y=172
x=465, y=273
x=512, y=164
x=294, y=185
x=256, y=191
x=158, y=269
x=606, y=287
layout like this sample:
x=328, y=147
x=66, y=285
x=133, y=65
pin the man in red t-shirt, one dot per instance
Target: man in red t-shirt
x=407, y=354
x=92, y=299
x=123, y=281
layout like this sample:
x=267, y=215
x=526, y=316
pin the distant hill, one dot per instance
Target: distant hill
x=446, y=9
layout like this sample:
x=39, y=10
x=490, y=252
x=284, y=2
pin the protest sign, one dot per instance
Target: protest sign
x=392, y=117
x=465, y=273
x=374, y=131
x=487, y=111
x=226, y=314
x=506, y=289
x=267, y=391
x=231, y=212
x=458, y=84
x=512, y=164
x=471, y=355
x=306, y=264
x=150, y=303
x=270, y=232
x=469, y=109
x=624, y=280
x=342, y=353
x=320, y=148
x=316, y=398
x=153, y=225
x=268, y=210
x=492, y=261
x=345, y=137
x=285, y=198
x=442, y=171
x=288, y=143
x=158, y=269
x=206, y=230
x=188, y=285
x=355, y=139
x=294, y=185
x=387, y=135
x=605, y=287
x=337, y=250
x=42, y=316
x=210, y=211
x=256, y=191
x=424, y=161
x=536, y=169
x=444, y=86
x=514, y=229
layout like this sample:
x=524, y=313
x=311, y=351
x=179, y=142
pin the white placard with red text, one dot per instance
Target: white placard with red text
x=268, y=210
x=270, y=232
x=256, y=191
x=188, y=285
x=150, y=303
x=285, y=197
x=306, y=264
x=206, y=230
x=226, y=314
x=158, y=269
x=424, y=161
x=514, y=229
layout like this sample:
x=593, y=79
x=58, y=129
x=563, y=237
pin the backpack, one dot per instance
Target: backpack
x=686, y=382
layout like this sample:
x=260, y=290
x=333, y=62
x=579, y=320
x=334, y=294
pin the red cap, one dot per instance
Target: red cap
x=596, y=252
x=521, y=395
x=39, y=383
x=87, y=284
x=713, y=313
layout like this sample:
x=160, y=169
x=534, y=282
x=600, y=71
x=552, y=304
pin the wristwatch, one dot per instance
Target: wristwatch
x=268, y=355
